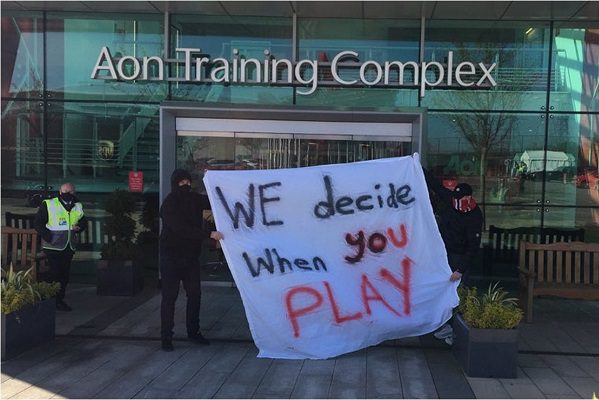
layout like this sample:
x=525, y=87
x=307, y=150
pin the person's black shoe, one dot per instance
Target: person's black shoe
x=62, y=306
x=199, y=339
x=167, y=345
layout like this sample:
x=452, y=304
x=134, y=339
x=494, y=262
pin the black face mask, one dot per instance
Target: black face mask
x=67, y=197
x=184, y=188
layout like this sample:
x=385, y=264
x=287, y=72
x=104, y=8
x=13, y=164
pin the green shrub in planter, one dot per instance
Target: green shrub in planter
x=492, y=310
x=118, y=272
x=120, y=227
x=19, y=290
x=486, y=332
x=28, y=312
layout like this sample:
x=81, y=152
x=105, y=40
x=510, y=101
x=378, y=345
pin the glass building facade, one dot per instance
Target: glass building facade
x=528, y=146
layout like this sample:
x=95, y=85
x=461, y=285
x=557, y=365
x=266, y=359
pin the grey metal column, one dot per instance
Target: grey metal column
x=168, y=151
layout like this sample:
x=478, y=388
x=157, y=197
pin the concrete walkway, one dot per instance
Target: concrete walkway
x=109, y=347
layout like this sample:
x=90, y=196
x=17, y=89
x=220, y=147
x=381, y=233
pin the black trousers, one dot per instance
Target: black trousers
x=174, y=269
x=59, y=269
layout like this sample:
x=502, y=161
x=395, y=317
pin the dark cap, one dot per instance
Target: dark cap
x=461, y=190
x=178, y=175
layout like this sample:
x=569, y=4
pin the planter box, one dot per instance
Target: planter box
x=485, y=353
x=28, y=327
x=119, y=278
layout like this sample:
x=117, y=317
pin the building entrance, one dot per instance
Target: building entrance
x=241, y=139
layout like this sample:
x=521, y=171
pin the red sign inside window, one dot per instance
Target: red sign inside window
x=136, y=181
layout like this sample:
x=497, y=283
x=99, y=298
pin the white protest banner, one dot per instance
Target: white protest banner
x=333, y=258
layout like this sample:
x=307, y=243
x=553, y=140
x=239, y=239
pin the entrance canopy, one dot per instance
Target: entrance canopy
x=431, y=10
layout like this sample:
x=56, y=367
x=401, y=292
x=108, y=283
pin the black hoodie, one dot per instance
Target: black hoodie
x=461, y=231
x=182, y=218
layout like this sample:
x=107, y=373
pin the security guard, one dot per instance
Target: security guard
x=58, y=221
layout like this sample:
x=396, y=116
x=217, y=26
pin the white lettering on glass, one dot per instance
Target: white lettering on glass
x=345, y=67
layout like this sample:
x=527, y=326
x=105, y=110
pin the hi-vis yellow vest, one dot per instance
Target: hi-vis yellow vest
x=60, y=222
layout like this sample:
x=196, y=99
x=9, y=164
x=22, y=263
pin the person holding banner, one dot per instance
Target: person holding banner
x=460, y=224
x=180, y=246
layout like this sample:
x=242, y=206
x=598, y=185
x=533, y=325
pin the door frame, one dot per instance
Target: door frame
x=183, y=116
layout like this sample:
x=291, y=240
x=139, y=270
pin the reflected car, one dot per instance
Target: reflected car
x=220, y=164
x=587, y=178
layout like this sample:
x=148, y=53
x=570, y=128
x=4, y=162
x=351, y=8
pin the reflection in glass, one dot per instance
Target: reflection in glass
x=22, y=55
x=22, y=145
x=571, y=167
x=76, y=41
x=512, y=217
x=379, y=40
x=576, y=68
x=519, y=49
x=217, y=36
x=496, y=153
x=200, y=153
x=571, y=217
x=96, y=145
x=375, y=39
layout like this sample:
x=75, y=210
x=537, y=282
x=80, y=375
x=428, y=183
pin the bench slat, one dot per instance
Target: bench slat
x=577, y=266
x=4, y=248
x=15, y=243
x=24, y=246
x=596, y=268
x=23, y=249
x=568, y=258
x=531, y=262
x=541, y=265
x=586, y=267
x=558, y=269
x=550, y=272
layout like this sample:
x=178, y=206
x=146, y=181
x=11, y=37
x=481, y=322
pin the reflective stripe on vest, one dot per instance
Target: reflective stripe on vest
x=59, y=224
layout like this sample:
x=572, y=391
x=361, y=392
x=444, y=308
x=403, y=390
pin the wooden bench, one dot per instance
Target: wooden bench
x=567, y=269
x=91, y=239
x=503, y=242
x=20, y=249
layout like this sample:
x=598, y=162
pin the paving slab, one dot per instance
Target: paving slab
x=584, y=387
x=279, y=380
x=549, y=382
x=208, y=379
x=245, y=378
x=486, y=388
x=125, y=356
x=563, y=366
x=448, y=375
x=416, y=379
x=135, y=379
x=349, y=376
x=382, y=374
x=314, y=380
x=590, y=365
x=184, y=368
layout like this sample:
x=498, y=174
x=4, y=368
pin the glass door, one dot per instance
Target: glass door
x=201, y=151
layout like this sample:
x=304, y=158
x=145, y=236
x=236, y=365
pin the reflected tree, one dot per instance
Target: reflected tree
x=490, y=122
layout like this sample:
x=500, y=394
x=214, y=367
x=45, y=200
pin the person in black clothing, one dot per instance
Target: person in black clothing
x=180, y=246
x=59, y=221
x=460, y=223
